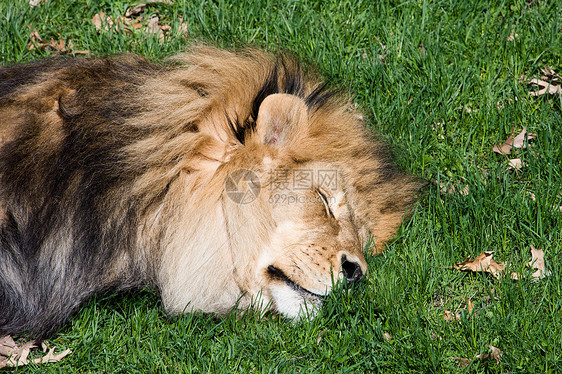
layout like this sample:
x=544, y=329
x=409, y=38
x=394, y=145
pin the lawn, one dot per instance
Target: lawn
x=442, y=82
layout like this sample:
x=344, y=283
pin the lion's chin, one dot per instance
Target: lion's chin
x=292, y=300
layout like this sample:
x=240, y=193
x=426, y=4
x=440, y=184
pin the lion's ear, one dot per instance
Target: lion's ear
x=281, y=119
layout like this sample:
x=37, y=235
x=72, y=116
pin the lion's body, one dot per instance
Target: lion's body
x=113, y=175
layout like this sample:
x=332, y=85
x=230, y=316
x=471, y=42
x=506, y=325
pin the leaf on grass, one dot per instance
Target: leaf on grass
x=494, y=355
x=555, y=207
x=57, y=46
x=469, y=305
x=134, y=11
x=450, y=316
x=549, y=83
x=451, y=189
x=11, y=355
x=320, y=336
x=103, y=22
x=387, y=336
x=515, y=164
x=537, y=263
x=512, y=36
x=7, y=345
x=486, y=264
x=520, y=141
x=462, y=362
x=482, y=263
x=182, y=28
x=133, y=19
x=34, y=3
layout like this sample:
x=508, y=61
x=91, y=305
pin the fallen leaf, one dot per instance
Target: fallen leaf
x=320, y=336
x=494, y=355
x=512, y=36
x=136, y=10
x=12, y=356
x=154, y=27
x=482, y=263
x=549, y=83
x=34, y=3
x=519, y=141
x=182, y=29
x=462, y=362
x=469, y=305
x=515, y=164
x=52, y=357
x=537, y=263
x=450, y=189
x=103, y=22
x=450, y=316
x=523, y=138
x=7, y=345
x=387, y=336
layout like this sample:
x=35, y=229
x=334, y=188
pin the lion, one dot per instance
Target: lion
x=222, y=179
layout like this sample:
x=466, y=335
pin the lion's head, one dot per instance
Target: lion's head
x=311, y=239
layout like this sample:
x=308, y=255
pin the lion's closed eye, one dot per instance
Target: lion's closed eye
x=325, y=202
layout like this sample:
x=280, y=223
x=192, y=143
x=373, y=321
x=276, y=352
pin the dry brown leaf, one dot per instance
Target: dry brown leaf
x=52, y=357
x=462, y=362
x=13, y=356
x=7, y=345
x=549, y=83
x=182, y=29
x=450, y=316
x=34, y=36
x=34, y=3
x=154, y=27
x=544, y=88
x=494, y=355
x=136, y=10
x=537, y=263
x=515, y=164
x=100, y=19
x=512, y=36
x=450, y=189
x=469, y=305
x=519, y=141
x=104, y=22
x=387, y=336
x=482, y=263
x=320, y=336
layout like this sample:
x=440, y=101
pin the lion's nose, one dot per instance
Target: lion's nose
x=351, y=270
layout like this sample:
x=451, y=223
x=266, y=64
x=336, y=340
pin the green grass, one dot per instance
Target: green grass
x=438, y=59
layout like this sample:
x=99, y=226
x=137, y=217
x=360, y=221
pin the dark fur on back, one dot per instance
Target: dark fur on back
x=58, y=192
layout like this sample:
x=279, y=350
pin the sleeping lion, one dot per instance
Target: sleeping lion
x=221, y=179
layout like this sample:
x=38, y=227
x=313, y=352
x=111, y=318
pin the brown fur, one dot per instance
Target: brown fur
x=113, y=175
